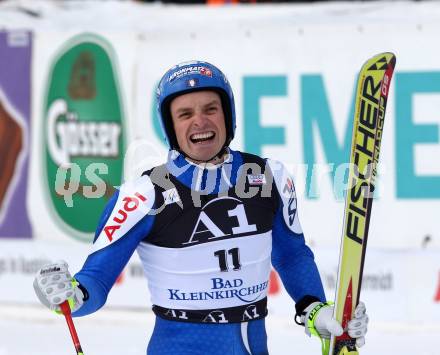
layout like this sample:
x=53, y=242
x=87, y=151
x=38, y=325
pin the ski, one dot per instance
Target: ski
x=371, y=99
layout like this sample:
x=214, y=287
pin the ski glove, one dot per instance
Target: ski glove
x=318, y=320
x=53, y=285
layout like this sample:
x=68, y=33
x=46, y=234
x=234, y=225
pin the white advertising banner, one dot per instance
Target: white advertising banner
x=395, y=286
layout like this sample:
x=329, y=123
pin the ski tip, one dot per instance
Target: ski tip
x=384, y=54
x=381, y=61
x=391, y=58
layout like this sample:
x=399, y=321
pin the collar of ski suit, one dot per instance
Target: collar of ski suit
x=205, y=178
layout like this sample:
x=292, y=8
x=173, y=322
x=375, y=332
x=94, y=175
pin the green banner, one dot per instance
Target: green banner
x=83, y=133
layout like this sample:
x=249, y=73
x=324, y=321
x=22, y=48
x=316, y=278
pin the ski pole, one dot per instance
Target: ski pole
x=65, y=308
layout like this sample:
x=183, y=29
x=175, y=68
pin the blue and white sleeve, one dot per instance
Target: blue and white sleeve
x=124, y=223
x=291, y=257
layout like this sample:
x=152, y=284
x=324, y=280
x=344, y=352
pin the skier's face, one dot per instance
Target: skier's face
x=199, y=123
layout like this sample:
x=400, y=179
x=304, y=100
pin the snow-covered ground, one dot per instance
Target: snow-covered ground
x=33, y=330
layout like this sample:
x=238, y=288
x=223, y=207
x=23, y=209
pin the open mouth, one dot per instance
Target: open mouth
x=202, y=137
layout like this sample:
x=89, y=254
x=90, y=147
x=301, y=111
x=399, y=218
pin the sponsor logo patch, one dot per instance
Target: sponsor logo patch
x=171, y=196
x=256, y=179
x=118, y=220
x=196, y=69
x=192, y=83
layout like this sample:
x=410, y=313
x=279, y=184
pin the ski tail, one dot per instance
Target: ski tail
x=371, y=98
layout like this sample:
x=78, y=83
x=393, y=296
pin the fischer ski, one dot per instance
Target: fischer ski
x=371, y=99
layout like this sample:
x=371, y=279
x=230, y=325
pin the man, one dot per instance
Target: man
x=207, y=225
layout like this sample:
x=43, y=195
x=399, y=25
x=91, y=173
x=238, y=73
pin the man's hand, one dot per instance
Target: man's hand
x=318, y=320
x=357, y=326
x=53, y=285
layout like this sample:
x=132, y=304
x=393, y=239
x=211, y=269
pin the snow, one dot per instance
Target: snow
x=34, y=330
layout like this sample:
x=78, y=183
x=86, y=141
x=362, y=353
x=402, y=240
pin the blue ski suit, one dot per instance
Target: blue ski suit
x=207, y=236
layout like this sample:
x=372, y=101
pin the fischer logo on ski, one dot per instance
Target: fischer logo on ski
x=371, y=99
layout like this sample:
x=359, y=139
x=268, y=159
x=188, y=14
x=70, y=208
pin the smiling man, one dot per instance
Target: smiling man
x=207, y=225
x=199, y=119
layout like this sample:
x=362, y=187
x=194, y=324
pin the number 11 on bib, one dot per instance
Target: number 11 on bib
x=371, y=98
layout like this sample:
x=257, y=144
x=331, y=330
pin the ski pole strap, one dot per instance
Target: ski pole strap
x=310, y=321
x=310, y=324
x=300, y=307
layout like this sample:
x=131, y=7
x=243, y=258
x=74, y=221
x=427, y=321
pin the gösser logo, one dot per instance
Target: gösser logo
x=130, y=204
x=83, y=133
x=78, y=138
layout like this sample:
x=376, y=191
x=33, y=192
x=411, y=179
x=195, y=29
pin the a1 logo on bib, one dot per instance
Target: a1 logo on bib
x=216, y=316
x=224, y=217
x=83, y=133
x=250, y=313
